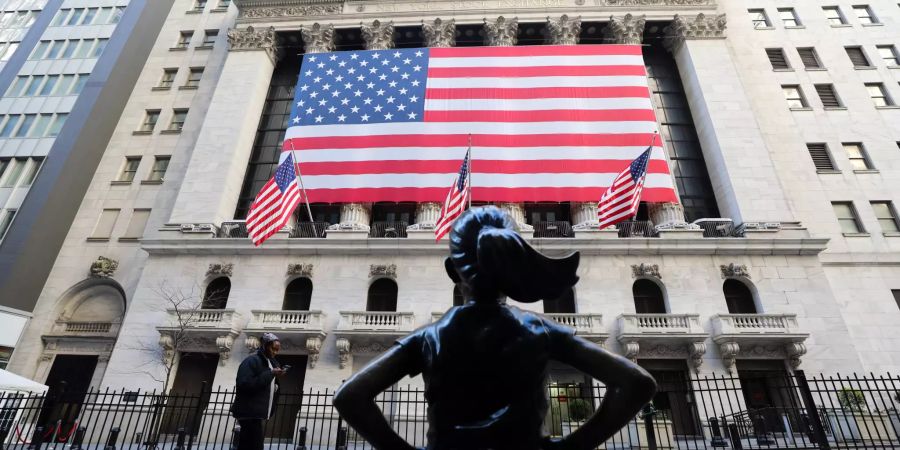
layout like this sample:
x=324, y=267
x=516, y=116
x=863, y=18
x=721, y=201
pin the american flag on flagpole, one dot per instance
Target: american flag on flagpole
x=553, y=123
x=457, y=200
x=622, y=199
x=274, y=203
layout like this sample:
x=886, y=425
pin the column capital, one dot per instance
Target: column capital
x=318, y=38
x=627, y=29
x=565, y=30
x=501, y=32
x=439, y=33
x=699, y=27
x=379, y=35
x=246, y=39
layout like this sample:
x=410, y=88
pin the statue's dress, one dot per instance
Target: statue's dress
x=485, y=370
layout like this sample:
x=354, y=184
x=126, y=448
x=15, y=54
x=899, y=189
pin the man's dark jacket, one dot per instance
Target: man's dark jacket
x=253, y=383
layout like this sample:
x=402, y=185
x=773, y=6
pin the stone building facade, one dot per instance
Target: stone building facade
x=785, y=254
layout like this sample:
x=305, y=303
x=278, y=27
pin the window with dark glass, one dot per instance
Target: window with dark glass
x=738, y=297
x=828, y=96
x=216, y=294
x=777, y=59
x=820, y=157
x=382, y=295
x=297, y=295
x=847, y=217
x=809, y=58
x=648, y=298
x=857, y=56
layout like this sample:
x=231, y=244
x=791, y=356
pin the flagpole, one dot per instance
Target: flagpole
x=469, y=175
x=300, y=180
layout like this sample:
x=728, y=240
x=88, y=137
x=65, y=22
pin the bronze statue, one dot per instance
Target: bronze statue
x=485, y=363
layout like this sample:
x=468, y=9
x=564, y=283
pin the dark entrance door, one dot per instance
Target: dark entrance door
x=281, y=424
x=69, y=380
x=674, y=398
x=768, y=393
x=188, y=398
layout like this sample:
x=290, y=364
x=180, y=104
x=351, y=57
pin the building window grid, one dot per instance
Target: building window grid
x=6, y=220
x=794, y=96
x=857, y=57
x=69, y=49
x=888, y=54
x=859, y=160
x=865, y=15
x=828, y=96
x=759, y=18
x=199, y=5
x=184, y=39
x=886, y=216
x=178, y=118
x=789, y=17
x=168, y=78
x=820, y=156
x=129, y=169
x=778, y=59
x=158, y=171
x=847, y=217
x=834, y=15
x=31, y=125
x=879, y=95
x=151, y=116
x=209, y=38
x=194, y=76
x=14, y=170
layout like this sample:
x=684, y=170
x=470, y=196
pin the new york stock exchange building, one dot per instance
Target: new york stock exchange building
x=781, y=257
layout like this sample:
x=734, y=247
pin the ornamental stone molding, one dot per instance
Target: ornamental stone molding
x=427, y=215
x=221, y=270
x=645, y=271
x=794, y=351
x=657, y=3
x=248, y=39
x=103, y=267
x=501, y=32
x=272, y=12
x=379, y=35
x=167, y=343
x=354, y=217
x=252, y=343
x=313, y=348
x=631, y=348
x=565, y=30
x=734, y=271
x=201, y=228
x=628, y=29
x=383, y=270
x=318, y=38
x=696, y=350
x=303, y=270
x=669, y=216
x=729, y=352
x=439, y=33
x=700, y=27
x=223, y=345
x=343, y=348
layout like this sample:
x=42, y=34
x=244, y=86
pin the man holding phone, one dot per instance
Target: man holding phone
x=256, y=390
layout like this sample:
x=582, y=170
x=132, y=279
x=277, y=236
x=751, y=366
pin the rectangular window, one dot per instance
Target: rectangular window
x=98, y=50
x=794, y=96
x=150, y=118
x=58, y=123
x=209, y=37
x=857, y=57
x=199, y=5
x=84, y=48
x=15, y=89
x=69, y=50
x=160, y=165
x=35, y=85
x=55, y=49
x=103, y=15
x=759, y=18
x=40, y=50
x=4, y=163
x=184, y=39
x=65, y=84
x=864, y=14
x=129, y=169
x=178, y=117
x=819, y=155
x=847, y=218
x=10, y=125
x=224, y=3
x=857, y=156
x=40, y=126
x=888, y=53
x=25, y=127
x=49, y=85
x=879, y=94
x=80, y=82
x=828, y=96
x=17, y=166
x=6, y=221
x=834, y=16
x=167, y=79
x=194, y=77
x=105, y=223
x=777, y=59
x=788, y=17
x=887, y=217
x=117, y=14
x=33, y=168
x=76, y=14
x=7, y=51
x=137, y=224
x=809, y=58
x=60, y=17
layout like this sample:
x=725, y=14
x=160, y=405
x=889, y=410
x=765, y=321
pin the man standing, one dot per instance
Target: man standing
x=256, y=390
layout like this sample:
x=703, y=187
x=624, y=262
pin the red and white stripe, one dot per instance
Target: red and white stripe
x=454, y=205
x=549, y=123
x=621, y=200
x=271, y=210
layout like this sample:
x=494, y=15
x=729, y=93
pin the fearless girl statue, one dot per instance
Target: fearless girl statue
x=485, y=363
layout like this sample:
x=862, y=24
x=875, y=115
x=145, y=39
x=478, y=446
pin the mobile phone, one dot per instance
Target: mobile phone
x=286, y=368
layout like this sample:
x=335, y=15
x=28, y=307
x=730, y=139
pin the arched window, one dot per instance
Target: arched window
x=216, y=295
x=382, y=295
x=565, y=304
x=297, y=295
x=458, y=299
x=738, y=297
x=648, y=298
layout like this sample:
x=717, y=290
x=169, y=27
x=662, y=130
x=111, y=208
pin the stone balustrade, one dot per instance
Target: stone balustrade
x=375, y=321
x=286, y=320
x=754, y=324
x=80, y=328
x=667, y=324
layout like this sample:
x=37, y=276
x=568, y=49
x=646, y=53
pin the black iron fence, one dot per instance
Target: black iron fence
x=762, y=409
x=553, y=229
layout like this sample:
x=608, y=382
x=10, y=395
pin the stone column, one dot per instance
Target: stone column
x=740, y=165
x=378, y=35
x=438, y=33
x=215, y=172
x=503, y=32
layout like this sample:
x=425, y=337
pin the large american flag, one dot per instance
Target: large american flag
x=274, y=203
x=622, y=199
x=456, y=202
x=548, y=123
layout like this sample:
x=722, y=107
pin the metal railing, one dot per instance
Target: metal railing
x=233, y=229
x=556, y=229
x=309, y=230
x=636, y=228
x=388, y=230
x=717, y=228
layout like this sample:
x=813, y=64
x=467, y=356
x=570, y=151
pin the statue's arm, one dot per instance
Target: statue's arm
x=628, y=389
x=355, y=399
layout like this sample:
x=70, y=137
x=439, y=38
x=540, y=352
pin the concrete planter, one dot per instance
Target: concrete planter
x=863, y=426
x=637, y=434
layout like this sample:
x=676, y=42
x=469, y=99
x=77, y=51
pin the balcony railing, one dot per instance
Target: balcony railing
x=755, y=324
x=203, y=318
x=717, y=228
x=636, y=228
x=582, y=323
x=287, y=320
x=81, y=328
x=388, y=230
x=660, y=324
x=309, y=230
x=555, y=229
x=376, y=321
x=233, y=229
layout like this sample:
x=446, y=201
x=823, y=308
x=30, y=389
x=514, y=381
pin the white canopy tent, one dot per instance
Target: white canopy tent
x=10, y=382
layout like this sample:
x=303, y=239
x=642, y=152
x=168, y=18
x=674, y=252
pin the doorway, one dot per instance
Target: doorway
x=769, y=395
x=69, y=380
x=187, y=398
x=674, y=399
x=290, y=396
